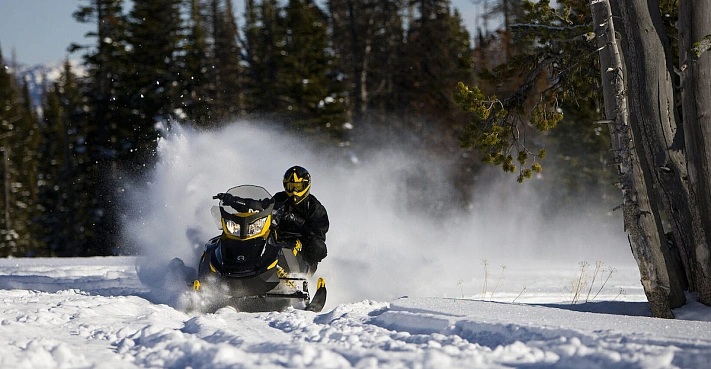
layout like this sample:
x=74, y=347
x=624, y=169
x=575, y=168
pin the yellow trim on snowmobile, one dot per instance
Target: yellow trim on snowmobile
x=213, y=268
x=273, y=264
x=297, y=248
x=196, y=285
x=321, y=283
x=284, y=276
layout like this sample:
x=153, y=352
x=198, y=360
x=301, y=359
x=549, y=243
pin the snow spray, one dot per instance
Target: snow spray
x=378, y=248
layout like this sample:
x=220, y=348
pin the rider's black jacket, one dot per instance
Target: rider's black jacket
x=307, y=219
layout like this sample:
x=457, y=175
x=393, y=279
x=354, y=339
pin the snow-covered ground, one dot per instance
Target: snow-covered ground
x=94, y=313
x=504, y=285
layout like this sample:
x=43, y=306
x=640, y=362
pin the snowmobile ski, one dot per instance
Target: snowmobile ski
x=319, y=300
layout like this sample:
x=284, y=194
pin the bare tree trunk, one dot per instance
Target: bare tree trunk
x=694, y=25
x=648, y=57
x=641, y=223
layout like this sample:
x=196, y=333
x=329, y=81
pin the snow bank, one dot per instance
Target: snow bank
x=96, y=324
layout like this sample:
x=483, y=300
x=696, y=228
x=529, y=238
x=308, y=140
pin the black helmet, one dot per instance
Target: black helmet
x=297, y=183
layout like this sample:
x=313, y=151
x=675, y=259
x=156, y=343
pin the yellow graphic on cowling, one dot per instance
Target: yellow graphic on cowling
x=283, y=275
x=321, y=283
x=196, y=285
x=297, y=248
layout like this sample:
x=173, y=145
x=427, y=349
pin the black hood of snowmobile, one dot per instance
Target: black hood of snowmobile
x=242, y=258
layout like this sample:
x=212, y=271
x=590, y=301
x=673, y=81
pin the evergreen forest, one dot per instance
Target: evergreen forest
x=334, y=72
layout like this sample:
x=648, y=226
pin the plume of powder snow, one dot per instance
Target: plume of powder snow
x=380, y=246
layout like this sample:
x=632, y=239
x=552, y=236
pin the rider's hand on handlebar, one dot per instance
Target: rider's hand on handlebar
x=226, y=198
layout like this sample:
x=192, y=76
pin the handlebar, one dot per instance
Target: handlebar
x=236, y=201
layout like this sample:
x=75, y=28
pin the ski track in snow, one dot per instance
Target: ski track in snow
x=94, y=313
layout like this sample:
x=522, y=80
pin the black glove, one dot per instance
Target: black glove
x=314, y=251
x=266, y=202
x=230, y=200
x=224, y=197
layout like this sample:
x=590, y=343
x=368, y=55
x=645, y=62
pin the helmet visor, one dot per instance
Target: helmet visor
x=295, y=188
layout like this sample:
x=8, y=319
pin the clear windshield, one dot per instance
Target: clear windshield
x=246, y=192
x=250, y=192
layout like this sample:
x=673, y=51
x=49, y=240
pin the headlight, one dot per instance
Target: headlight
x=256, y=227
x=232, y=227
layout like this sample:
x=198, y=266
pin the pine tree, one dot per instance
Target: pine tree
x=367, y=37
x=509, y=12
x=62, y=186
x=264, y=39
x=155, y=31
x=19, y=139
x=195, y=93
x=49, y=193
x=8, y=113
x=226, y=70
x=435, y=58
x=105, y=126
x=314, y=98
x=435, y=55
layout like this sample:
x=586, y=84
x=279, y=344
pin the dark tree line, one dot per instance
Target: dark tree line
x=337, y=72
x=322, y=70
x=19, y=135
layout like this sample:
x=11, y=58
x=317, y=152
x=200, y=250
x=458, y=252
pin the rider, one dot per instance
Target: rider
x=300, y=215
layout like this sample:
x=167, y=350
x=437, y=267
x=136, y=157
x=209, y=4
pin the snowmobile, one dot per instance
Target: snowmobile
x=249, y=261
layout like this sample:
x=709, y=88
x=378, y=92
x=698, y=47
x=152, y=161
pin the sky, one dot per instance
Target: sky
x=39, y=31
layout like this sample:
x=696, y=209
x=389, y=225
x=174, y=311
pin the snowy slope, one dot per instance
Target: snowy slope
x=94, y=313
x=489, y=288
